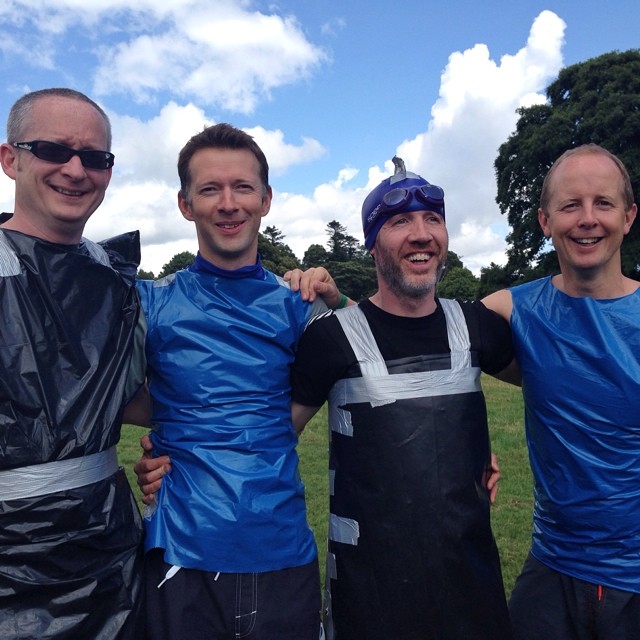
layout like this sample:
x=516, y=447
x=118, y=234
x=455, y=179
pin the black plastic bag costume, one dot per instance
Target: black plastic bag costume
x=70, y=531
x=411, y=554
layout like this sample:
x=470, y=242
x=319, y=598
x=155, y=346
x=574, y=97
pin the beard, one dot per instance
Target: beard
x=391, y=272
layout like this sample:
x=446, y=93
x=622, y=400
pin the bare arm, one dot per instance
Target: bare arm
x=138, y=411
x=301, y=414
x=502, y=304
x=492, y=477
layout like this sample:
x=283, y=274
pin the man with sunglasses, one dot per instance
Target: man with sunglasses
x=411, y=553
x=70, y=534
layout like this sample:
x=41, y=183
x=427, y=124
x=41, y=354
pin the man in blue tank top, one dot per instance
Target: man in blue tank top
x=229, y=550
x=576, y=337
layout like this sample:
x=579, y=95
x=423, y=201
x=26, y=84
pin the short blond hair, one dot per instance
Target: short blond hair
x=589, y=149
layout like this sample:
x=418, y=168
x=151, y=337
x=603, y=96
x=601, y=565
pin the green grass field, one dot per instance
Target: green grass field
x=511, y=515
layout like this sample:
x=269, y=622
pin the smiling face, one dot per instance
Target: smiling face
x=54, y=201
x=410, y=253
x=587, y=216
x=227, y=201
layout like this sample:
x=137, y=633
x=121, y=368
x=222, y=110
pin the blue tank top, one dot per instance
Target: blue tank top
x=219, y=351
x=580, y=363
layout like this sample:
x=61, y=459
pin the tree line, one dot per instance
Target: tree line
x=593, y=101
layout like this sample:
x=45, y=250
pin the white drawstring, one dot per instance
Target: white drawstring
x=172, y=572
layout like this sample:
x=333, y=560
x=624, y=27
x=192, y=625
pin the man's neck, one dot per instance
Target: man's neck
x=597, y=286
x=404, y=305
x=58, y=236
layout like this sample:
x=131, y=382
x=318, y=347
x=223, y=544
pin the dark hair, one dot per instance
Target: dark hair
x=21, y=110
x=219, y=136
x=589, y=149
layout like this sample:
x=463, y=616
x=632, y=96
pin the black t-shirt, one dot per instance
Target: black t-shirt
x=324, y=354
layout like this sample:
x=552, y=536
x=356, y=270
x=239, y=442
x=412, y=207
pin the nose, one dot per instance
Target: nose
x=420, y=231
x=74, y=168
x=588, y=217
x=227, y=200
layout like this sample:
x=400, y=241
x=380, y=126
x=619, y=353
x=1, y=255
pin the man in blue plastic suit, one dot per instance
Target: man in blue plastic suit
x=229, y=550
x=70, y=531
x=411, y=553
x=577, y=341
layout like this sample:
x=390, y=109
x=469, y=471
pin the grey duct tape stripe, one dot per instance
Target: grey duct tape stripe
x=403, y=386
x=9, y=263
x=457, y=333
x=332, y=481
x=356, y=328
x=331, y=571
x=61, y=475
x=343, y=530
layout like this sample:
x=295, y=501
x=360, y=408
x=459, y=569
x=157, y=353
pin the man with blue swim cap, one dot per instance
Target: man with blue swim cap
x=403, y=191
x=411, y=554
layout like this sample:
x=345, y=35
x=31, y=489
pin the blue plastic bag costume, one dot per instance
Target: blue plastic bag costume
x=219, y=347
x=580, y=362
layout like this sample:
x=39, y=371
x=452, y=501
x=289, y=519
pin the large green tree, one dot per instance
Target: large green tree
x=347, y=261
x=179, y=261
x=458, y=281
x=277, y=256
x=594, y=101
x=342, y=246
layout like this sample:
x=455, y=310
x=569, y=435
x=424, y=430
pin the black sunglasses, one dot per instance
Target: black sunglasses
x=58, y=153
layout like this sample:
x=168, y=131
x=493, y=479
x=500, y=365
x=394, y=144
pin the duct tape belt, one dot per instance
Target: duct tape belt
x=60, y=475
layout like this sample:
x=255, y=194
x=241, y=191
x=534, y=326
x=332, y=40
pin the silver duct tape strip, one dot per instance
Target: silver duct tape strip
x=60, y=475
x=9, y=263
x=358, y=332
x=331, y=571
x=402, y=386
x=343, y=530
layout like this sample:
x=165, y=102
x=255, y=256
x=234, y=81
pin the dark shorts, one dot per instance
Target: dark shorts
x=547, y=605
x=198, y=605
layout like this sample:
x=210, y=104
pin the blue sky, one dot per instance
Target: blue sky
x=331, y=89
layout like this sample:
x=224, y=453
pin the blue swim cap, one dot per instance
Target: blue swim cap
x=402, y=192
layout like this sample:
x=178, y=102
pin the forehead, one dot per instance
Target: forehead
x=223, y=165
x=583, y=174
x=411, y=213
x=61, y=119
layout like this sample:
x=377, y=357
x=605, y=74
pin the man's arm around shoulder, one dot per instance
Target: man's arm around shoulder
x=501, y=303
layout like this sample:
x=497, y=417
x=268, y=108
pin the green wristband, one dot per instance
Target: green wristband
x=343, y=301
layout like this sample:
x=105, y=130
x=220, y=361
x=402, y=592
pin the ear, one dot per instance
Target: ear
x=185, y=207
x=629, y=217
x=266, y=201
x=9, y=159
x=543, y=220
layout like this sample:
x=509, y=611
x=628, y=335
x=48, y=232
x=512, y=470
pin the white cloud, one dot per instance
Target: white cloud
x=282, y=155
x=143, y=190
x=473, y=116
x=214, y=52
x=475, y=112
